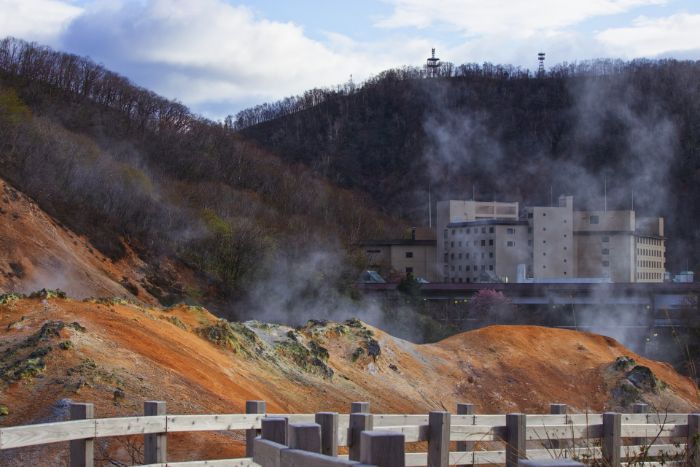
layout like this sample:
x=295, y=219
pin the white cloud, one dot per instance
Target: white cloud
x=39, y=20
x=209, y=52
x=493, y=17
x=654, y=36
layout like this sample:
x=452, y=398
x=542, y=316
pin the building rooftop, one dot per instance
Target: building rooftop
x=486, y=222
x=406, y=242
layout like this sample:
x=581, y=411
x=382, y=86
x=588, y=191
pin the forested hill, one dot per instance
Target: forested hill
x=504, y=133
x=134, y=172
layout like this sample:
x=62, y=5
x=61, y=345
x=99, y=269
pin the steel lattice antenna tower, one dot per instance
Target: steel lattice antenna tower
x=433, y=64
x=540, y=68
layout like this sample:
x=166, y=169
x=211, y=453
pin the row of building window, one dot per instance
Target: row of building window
x=467, y=267
x=648, y=252
x=465, y=255
x=649, y=264
x=649, y=275
x=649, y=241
x=469, y=231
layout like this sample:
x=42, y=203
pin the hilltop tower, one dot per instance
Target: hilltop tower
x=540, y=68
x=432, y=65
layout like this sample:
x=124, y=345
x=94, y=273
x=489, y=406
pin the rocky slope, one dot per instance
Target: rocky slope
x=117, y=355
x=36, y=252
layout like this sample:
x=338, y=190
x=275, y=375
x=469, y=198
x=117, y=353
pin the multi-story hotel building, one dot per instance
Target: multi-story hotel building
x=488, y=241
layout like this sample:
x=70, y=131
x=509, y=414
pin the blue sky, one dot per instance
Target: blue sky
x=220, y=56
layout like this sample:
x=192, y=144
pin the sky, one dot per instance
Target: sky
x=221, y=56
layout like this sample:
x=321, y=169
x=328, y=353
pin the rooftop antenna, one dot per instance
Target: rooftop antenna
x=430, y=209
x=432, y=65
x=605, y=194
x=633, y=201
x=540, y=59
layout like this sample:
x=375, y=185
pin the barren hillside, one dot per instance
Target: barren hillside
x=117, y=355
x=37, y=252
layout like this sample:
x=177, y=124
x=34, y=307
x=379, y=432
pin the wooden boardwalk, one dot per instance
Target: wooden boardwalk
x=314, y=440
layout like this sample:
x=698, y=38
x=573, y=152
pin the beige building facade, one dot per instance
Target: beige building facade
x=554, y=243
x=415, y=255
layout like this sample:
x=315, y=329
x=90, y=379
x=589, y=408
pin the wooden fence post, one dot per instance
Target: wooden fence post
x=155, y=445
x=557, y=409
x=640, y=408
x=383, y=449
x=515, y=438
x=465, y=409
x=438, y=439
x=359, y=422
x=329, y=432
x=359, y=407
x=82, y=451
x=611, y=442
x=274, y=429
x=694, y=439
x=252, y=407
x=305, y=436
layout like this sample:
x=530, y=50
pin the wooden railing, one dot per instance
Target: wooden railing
x=609, y=439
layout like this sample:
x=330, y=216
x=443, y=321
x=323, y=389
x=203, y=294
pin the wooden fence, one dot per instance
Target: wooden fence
x=284, y=440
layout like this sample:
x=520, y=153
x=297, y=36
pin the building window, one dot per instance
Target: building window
x=459, y=256
x=446, y=257
x=409, y=270
x=606, y=239
x=467, y=268
x=459, y=267
x=483, y=243
x=491, y=255
x=483, y=230
x=453, y=231
x=529, y=215
x=490, y=229
x=544, y=214
x=593, y=220
x=606, y=251
x=452, y=256
x=452, y=268
x=490, y=267
x=459, y=244
x=409, y=254
x=491, y=242
x=469, y=231
x=452, y=244
x=606, y=264
x=466, y=255
x=445, y=235
x=459, y=280
x=483, y=267
x=510, y=243
x=510, y=231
